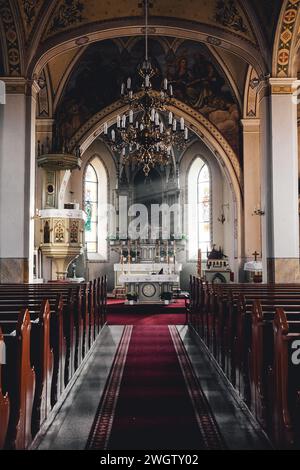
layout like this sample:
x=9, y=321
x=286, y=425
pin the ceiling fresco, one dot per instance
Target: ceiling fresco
x=29, y=12
x=196, y=78
x=227, y=14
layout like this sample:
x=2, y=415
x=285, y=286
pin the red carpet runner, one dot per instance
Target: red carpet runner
x=121, y=314
x=153, y=399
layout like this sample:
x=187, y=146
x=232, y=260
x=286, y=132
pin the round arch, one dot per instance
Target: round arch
x=85, y=35
x=202, y=128
x=215, y=54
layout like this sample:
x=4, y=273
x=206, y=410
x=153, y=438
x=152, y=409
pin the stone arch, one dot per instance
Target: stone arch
x=203, y=129
x=209, y=35
x=220, y=64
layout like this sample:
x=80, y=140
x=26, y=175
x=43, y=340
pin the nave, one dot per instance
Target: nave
x=166, y=393
x=149, y=155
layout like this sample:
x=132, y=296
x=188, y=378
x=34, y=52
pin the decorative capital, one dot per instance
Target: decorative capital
x=251, y=125
x=284, y=86
x=20, y=86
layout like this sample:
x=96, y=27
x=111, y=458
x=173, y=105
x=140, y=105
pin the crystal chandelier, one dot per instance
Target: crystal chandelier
x=147, y=132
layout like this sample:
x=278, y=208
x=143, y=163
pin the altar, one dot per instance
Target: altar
x=145, y=281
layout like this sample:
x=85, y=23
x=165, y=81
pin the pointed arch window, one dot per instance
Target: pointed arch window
x=199, y=195
x=95, y=202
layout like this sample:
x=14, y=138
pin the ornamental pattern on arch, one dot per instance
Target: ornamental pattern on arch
x=11, y=38
x=286, y=38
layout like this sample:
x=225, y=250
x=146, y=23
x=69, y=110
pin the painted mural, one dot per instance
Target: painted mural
x=196, y=78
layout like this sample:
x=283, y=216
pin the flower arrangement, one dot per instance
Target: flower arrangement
x=166, y=296
x=132, y=296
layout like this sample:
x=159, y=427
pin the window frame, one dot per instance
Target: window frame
x=204, y=161
x=94, y=161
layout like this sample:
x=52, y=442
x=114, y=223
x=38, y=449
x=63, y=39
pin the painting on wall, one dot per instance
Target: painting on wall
x=196, y=78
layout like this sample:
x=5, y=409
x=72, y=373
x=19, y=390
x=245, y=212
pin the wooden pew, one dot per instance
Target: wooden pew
x=4, y=401
x=18, y=380
x=261, y=360
x=20, y=296
x=41, y=357
x=57, y=338
x=50, y=327
x=286, y=416
x=233, y=315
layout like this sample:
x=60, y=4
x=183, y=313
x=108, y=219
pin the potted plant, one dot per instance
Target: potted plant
x=112, y=239
x=132, y=297
x=166, y=297
x=133, y=255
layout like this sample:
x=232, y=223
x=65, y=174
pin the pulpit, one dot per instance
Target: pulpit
x=62, y=237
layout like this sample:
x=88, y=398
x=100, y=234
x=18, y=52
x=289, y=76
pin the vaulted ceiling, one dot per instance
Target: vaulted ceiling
x=34, y=26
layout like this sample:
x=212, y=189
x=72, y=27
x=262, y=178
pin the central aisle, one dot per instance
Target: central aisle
x=153, y=399
x=149, y=384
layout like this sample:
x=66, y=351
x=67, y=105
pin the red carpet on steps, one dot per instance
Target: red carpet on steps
x=153, y=397
x=121, y=314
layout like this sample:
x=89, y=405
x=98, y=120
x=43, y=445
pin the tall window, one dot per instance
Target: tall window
x=199, y=197
x=95, y=201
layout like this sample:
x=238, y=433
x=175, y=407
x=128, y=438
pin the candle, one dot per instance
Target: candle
x=113, y=135
x=186, y=133
x=147, y=81
x=182, y=124
x=118, y=121
x=122, y=88
x=131, y=116
x=170, y=118
x=174, y=124
x=129, y=83
x=105, y=128
x=165, y=84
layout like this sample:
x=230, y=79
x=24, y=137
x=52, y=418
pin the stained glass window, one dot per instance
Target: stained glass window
x=199, y=191
x=96, y=209
x=91, y=208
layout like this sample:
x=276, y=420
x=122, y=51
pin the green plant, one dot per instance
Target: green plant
x=113, y=237
x=166, y=296
x=132, y=296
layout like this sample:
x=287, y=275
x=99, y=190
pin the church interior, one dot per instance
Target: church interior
x=149, y=225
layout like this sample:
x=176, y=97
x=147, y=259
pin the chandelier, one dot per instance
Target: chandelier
x=147, y=132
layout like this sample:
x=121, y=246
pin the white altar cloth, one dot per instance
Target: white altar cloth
x=140, y=278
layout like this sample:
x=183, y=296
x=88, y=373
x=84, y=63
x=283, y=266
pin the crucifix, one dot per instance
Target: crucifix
x=256, y=255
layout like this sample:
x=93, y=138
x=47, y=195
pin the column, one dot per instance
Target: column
x=17, y=180
x=283, y=252
x=252, y=187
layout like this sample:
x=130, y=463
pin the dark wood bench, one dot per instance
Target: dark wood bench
x=60, y=325
x=18, y=380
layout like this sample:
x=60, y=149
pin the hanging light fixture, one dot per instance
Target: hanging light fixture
x=147, y=132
